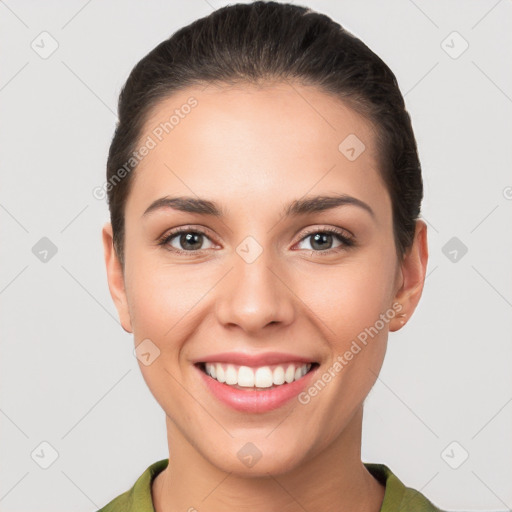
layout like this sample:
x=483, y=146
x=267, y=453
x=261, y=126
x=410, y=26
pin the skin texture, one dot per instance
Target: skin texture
x=253, y=150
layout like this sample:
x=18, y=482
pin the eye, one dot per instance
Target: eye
x=321, y=239
x=190, y=240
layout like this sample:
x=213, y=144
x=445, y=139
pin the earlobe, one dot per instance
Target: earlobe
x=413, y=269
x=115, y=278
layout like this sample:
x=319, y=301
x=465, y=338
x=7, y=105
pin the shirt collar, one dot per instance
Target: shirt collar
x=139, y=498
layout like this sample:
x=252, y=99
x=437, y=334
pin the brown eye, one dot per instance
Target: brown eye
x=321, y=240
x=185, y=241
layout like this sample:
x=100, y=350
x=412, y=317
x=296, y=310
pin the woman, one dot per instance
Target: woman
x=264, y=190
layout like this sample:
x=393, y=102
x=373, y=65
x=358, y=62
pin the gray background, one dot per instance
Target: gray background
x=67, y=370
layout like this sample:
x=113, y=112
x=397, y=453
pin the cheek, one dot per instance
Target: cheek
x=161, y=301
x=164, y=298
x=350, y=297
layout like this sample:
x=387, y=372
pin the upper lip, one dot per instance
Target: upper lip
x=244, y=359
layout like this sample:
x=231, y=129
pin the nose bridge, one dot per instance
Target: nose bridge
x=254, y=295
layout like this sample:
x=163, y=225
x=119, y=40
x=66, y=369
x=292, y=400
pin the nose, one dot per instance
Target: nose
x=255, y=295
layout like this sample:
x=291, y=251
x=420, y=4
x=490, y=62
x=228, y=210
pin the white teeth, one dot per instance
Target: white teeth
x=245, y=377
x=278, y=376
x=221, y=375
x=231, y=375
x=262, y=377
x=212, y=370
x=289, y=376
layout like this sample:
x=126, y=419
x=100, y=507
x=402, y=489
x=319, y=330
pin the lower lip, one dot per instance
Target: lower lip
x=256, y=401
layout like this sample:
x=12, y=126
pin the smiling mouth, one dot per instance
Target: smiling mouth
x=256, y=379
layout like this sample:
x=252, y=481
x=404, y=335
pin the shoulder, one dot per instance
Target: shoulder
x=138, y=498
x=398, y=497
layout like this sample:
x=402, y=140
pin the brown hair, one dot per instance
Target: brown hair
x=270, y=41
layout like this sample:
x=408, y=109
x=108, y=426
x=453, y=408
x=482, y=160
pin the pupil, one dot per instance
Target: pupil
x=188, y=238
x=321, y=237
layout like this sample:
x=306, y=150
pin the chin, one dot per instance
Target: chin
x=254, y=459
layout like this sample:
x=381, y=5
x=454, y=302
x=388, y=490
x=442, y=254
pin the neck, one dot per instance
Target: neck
x=333, y=479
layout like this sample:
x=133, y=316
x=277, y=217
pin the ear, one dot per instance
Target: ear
x=115, y=278
x=411, y=277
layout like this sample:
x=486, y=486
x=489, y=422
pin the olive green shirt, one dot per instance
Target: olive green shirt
x=397, y=497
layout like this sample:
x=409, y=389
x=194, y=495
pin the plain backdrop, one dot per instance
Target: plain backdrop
x=78, y=424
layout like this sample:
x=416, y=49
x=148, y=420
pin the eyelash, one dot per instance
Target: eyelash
x=347, y=242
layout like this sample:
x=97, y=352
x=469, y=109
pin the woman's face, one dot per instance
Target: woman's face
x=256, y=280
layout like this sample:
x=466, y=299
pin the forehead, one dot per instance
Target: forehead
x=295, y=112
x=269, y=139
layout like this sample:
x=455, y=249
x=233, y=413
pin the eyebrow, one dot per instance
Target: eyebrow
x=296, y=208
